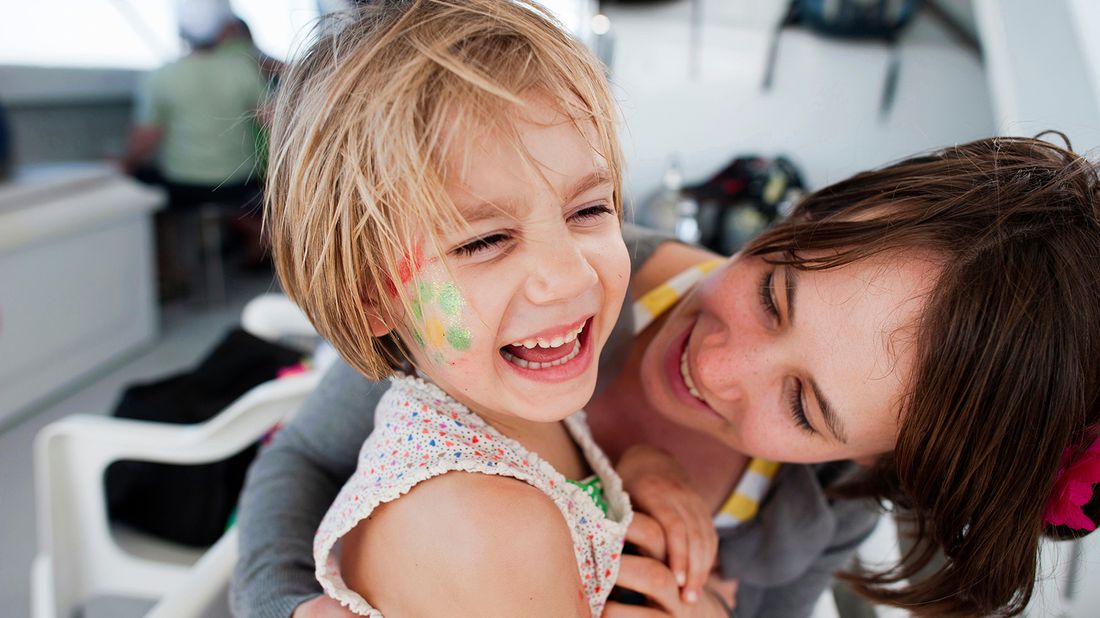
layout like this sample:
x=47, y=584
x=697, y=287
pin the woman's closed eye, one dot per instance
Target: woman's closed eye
x=767, y=298
x=793, y=386
x=797, y=409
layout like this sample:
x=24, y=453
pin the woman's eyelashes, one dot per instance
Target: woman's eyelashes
x=798, y=411
x=767, y=298
x=794, y=389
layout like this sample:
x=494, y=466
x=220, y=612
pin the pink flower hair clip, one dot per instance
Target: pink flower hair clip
x=1073, y=489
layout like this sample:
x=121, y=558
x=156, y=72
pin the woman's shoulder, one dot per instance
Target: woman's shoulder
x=668, y=260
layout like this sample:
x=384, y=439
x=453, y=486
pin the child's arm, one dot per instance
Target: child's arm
x=466, y=545
x=685, y=539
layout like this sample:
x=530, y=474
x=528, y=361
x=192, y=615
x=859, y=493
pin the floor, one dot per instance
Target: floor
x=189, y=328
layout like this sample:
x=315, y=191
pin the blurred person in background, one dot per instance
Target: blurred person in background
x=195, y=131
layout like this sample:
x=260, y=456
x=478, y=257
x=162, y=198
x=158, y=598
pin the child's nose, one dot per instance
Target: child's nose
x=559, y=271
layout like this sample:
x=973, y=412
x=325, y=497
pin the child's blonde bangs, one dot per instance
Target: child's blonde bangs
x=365, y=127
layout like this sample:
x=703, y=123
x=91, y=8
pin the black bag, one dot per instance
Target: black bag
x=191, y=504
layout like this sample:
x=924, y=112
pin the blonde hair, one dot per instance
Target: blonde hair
x=364, y=123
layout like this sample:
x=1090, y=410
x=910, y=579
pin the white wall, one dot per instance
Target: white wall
x=704, y=102
x=1044, y=66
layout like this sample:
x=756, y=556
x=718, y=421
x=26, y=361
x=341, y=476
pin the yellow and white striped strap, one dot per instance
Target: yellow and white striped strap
x=658, y=300
x=744, y=502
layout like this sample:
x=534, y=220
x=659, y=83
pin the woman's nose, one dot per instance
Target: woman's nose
x=559, y=271
x=726, y=363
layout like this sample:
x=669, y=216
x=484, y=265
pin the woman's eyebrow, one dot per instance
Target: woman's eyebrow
x=832, y=419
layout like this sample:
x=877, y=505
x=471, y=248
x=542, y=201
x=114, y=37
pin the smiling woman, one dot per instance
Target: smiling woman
x=812, y=359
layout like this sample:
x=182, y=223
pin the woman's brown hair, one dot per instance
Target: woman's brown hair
x=1008, y=355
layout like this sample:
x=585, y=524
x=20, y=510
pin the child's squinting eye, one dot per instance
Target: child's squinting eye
x=478, y=245
x=594, y=211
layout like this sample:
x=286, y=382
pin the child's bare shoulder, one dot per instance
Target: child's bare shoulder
x=463, y=539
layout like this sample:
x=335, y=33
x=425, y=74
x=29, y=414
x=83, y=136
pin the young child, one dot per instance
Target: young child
x=444, y=205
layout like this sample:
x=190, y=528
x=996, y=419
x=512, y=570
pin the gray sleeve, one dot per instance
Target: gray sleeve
x=796, y=599
x=290, y=486
x=642, y=243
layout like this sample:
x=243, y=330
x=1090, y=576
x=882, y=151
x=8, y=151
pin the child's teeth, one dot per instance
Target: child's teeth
x=556, y=342
x=534, y=365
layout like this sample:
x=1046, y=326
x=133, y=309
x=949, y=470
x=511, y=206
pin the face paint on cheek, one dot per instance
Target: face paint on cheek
x=440, y=320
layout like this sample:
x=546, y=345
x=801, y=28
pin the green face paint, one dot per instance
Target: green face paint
x=437, y=309
x=459, y=337
x=450, y=299
x=424, y=292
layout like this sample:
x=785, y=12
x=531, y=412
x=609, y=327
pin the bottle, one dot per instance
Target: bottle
x=670, y=210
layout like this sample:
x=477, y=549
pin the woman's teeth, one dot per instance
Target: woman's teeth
x=536, y=365
x=686, y=375
x=556, y=342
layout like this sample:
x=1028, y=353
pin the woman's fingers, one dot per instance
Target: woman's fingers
x=650, y=578
x=676, y=543
x=702, y=542
x=647, y=535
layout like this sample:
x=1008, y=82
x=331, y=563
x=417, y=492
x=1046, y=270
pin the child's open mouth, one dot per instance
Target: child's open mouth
x=540, y=353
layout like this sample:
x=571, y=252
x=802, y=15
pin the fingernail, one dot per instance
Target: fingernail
x=681, y=578
x=691, y=597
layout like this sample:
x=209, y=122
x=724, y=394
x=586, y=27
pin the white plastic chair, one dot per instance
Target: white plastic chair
x=79, y=558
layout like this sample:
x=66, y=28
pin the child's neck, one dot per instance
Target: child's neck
x=550, y=441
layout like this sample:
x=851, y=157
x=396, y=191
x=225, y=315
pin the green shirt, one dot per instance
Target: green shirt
x=205, y=105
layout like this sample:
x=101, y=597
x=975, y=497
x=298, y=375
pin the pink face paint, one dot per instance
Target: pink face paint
x=407, y=267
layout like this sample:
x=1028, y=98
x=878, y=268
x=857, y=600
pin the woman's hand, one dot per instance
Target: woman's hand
x=686, y=539
x=650, y=577
x=322, y=606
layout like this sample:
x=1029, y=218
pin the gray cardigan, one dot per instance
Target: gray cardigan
x=784, y=558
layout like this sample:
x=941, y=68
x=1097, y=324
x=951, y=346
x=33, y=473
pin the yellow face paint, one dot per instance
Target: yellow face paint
x=438, y=312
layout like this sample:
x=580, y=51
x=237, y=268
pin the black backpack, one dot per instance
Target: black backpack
x=191, y=504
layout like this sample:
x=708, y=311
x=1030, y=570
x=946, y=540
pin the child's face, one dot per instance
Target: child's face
x=544, y=265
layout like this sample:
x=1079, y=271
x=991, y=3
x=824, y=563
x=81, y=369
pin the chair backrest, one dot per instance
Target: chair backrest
x=78, y=558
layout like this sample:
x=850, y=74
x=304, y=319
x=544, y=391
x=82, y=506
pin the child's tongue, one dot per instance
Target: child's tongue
x=540, y=355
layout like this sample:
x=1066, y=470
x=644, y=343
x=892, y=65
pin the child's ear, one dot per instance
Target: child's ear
x=380, y=319
x=379, y=326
